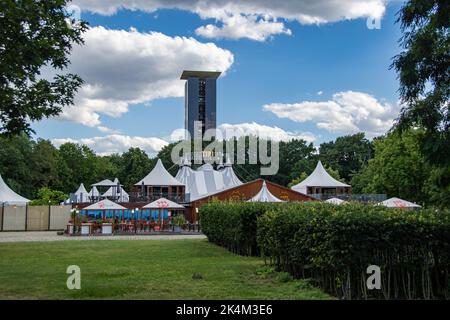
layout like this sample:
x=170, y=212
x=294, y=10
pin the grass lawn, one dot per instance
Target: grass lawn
x=157, y=269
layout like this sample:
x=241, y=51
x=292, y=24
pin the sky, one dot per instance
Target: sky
x=305, y=69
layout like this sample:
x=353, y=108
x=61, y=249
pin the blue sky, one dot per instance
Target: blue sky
x=315, y=81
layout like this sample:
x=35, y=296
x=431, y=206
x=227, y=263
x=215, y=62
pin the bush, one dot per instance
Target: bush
x=233, y=224
x=334, y=245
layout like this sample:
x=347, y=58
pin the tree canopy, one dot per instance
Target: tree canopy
x=424, y=72
x=35, y=35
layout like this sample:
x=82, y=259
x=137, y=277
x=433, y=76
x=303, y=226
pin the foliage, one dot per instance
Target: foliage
x=233, y=224
x=35, y=35
x=179, y=220
x=399, y=169
x=48, y=196
x=334, y=245
x=347, y=154
x=423, y=68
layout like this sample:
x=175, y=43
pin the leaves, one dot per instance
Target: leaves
x=34, y=35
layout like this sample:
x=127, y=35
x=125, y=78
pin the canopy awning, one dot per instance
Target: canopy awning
x=264, y=195
x=398, y=203
x=8, y=196
x=159, y=176
x=336, y=201
x=105, y=204
x=104, y=183
x=163, y=203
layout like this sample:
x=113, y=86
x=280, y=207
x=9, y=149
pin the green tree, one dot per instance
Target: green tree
x=347, y=154
x=44, y=159
x=35, y=35
x=15, y=168
x=135, y=165
x=398, y=168
x=47, y=196
x=424, y=72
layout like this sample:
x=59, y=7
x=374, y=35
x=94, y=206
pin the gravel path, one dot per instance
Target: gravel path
x=52, y=236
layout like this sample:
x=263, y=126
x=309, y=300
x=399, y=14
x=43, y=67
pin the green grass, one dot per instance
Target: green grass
x=141, y=270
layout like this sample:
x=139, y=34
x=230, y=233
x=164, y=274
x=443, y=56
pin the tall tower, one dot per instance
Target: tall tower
x=200, y=101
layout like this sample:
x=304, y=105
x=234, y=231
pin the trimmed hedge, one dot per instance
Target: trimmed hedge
x=334, y=245
x=233, y=224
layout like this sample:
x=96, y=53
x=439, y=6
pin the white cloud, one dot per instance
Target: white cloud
x=116, y=143
x=253, y=19
x=121, y=68
x=347, y=112
x=319, y=93
x=262, y=131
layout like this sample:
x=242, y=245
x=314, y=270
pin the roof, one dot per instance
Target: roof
x=163, y=203
x=206, y=181
x=199, y=74
x=159, y=176
x=264, y=195
x=82, y=194
x=319, y=178
x=398, y=203
x=104, y=183
x=7, y=195
x=94, y=192
x=335, y=201
x=105, y=205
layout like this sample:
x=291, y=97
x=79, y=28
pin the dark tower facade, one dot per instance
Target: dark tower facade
x=200, y=101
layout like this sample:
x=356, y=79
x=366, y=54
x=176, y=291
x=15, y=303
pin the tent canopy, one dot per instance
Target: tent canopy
x=398, y=203
x=264, y=195
x=319, y=178
x=205, y=180
x=104, y=183
x=159, y=176
x=8, y=196
x=336, y=201
x=105, y=204
x=163, y=203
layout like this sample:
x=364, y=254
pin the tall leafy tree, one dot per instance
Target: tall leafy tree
x=424, y=72
x=135, y=165
x=398, y=168
x=35, y=34
x=44, y=160
x=347, y=154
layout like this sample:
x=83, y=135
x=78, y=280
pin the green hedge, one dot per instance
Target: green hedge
x=333, y=245
x=233, y=224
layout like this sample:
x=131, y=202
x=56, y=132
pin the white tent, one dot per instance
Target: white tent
x=319, y=178
x=205, y=180
x=336, y=201
x=105, y=204
x=264, y=195
x=398, y=203
x=104, y=183
x=82, y=195
x=163, y=203
x=7, y=196
x=94, y=192
x=159, y=176
x=118, y=192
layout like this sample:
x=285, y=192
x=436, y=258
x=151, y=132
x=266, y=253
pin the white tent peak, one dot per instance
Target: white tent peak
x=206, y=181
x=264, y=195
x=7, y=195
x=163, y=203
x=159, y=176
x=398, y=203
x=336, y=201
x=319, y=178
x=104, y=183
x=105, y=204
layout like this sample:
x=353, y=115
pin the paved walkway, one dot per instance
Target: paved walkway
x=52, y=236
